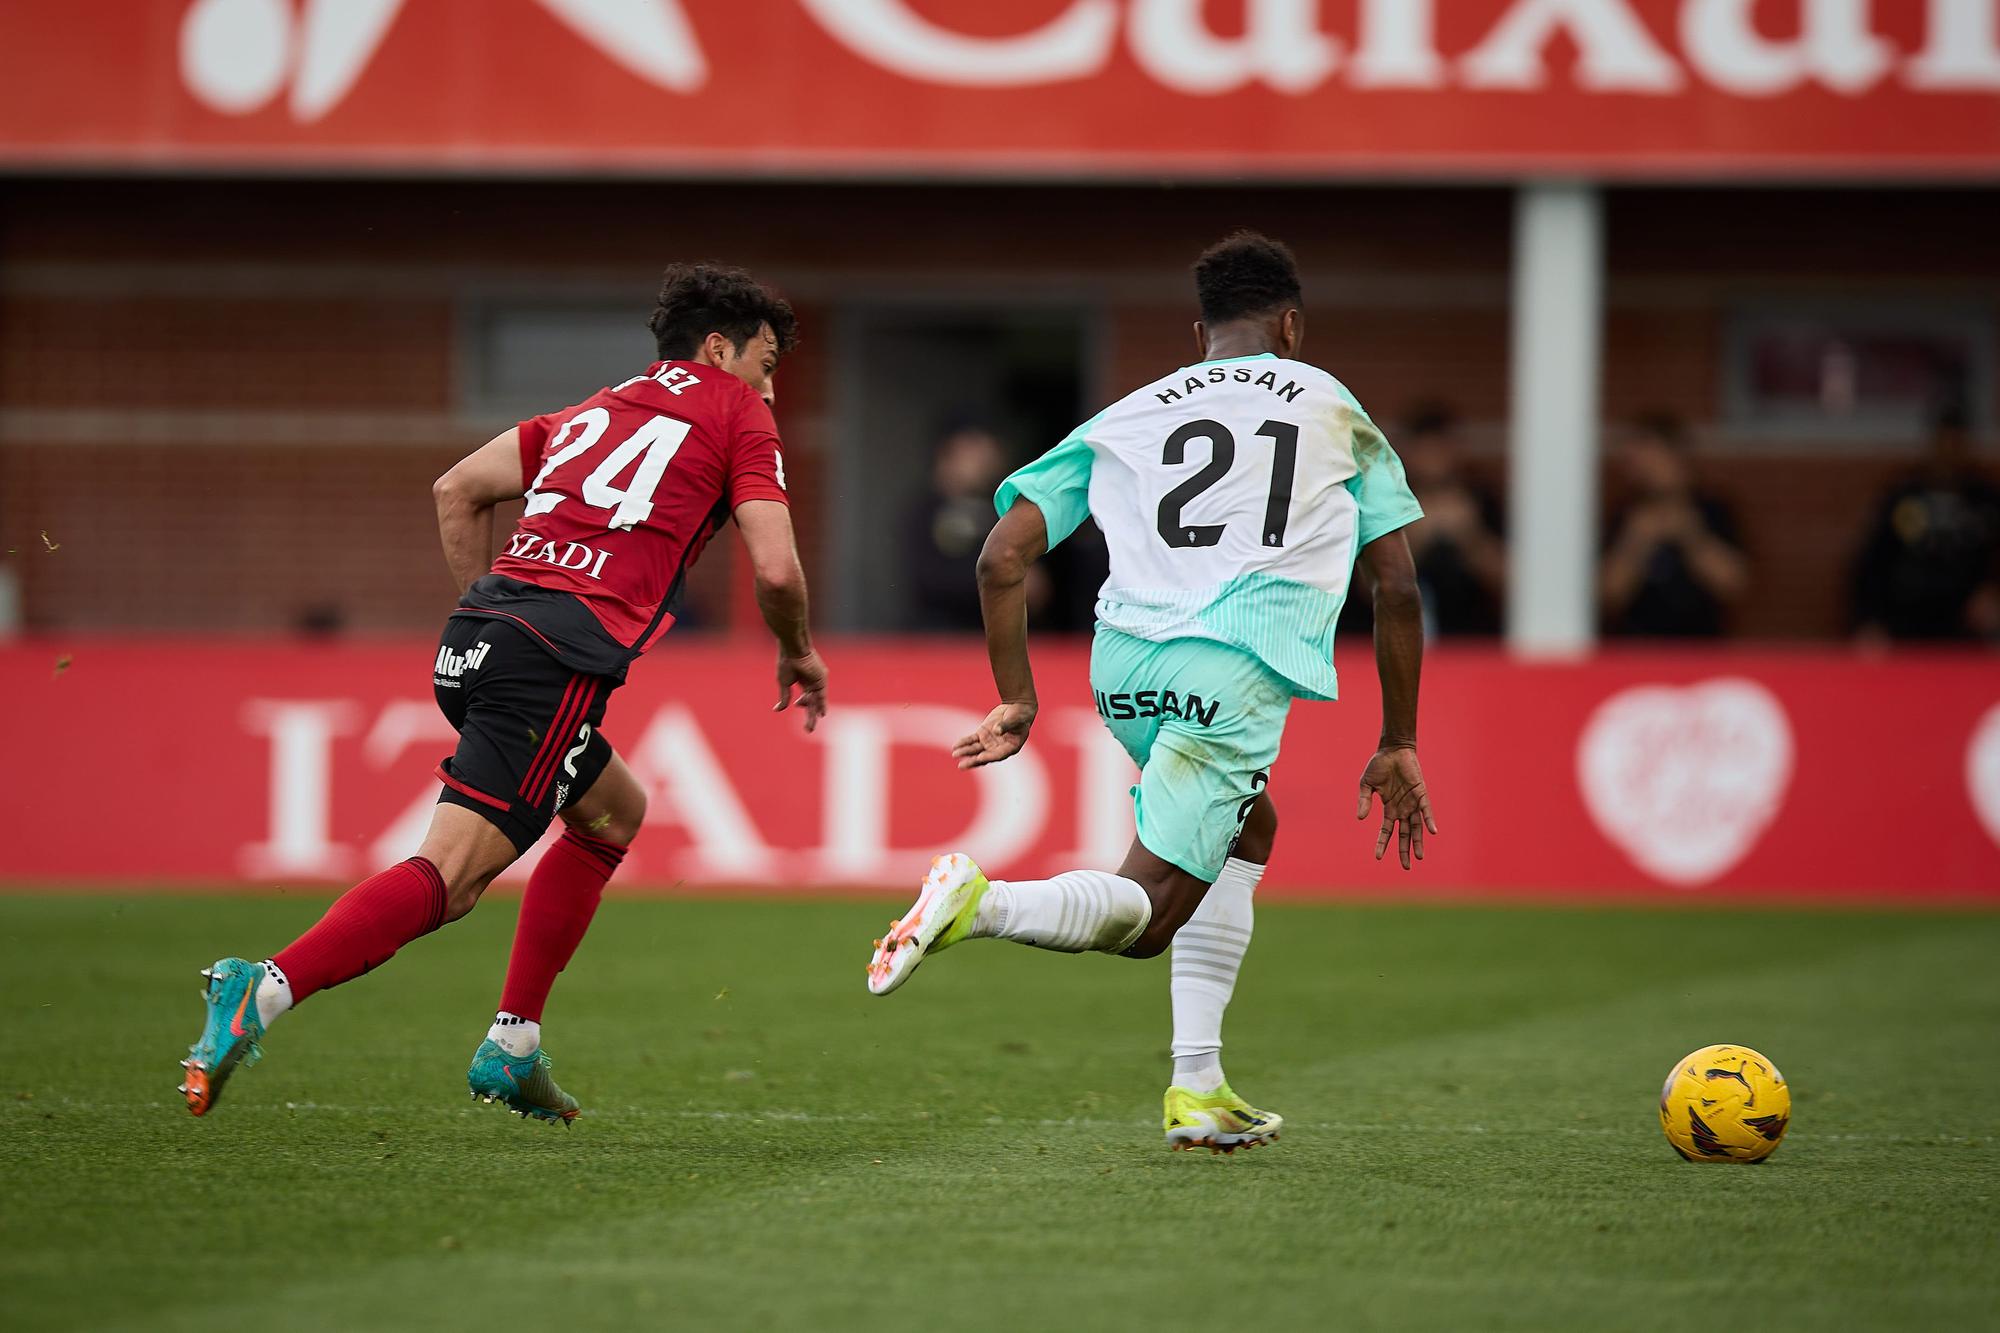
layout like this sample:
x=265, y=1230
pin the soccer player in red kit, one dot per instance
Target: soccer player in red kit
x=623, y=491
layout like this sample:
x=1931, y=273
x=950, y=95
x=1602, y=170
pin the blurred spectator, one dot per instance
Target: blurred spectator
x=1461, y=555
x=1930, y=567
x=945, y=527
x=1673, y=562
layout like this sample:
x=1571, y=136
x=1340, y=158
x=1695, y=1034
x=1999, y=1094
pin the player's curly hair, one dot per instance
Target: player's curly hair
x=699, y=299
x=1245, y=274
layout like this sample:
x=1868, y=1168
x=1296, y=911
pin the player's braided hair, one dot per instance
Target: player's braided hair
x=699, y=299
x=1245, y=274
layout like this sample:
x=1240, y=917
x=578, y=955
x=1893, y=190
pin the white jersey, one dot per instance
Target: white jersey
x=1234, y=496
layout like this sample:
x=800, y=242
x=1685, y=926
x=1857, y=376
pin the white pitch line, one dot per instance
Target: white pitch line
x=1073, y=1122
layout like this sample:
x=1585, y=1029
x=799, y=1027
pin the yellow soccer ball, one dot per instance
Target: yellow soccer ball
x=1725, y=1104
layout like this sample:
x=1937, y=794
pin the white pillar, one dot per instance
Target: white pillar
x=10, y=602
x=1557, y=359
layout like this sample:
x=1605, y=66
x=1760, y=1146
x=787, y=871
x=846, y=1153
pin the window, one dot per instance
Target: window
x=909, y=377
x=522, y=355
x=1872, y=372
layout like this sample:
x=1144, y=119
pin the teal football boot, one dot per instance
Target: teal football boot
x=522, y=1083
x=230, y=1036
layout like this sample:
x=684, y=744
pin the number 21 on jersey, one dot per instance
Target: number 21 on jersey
x=654, y=445
x=1176, y=531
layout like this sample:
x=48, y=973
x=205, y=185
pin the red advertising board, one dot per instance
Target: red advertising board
x=1627, y=88
x=1695, y=775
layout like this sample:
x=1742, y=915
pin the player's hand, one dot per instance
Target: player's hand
x=1397, y=779
x=808, y=674
x=1000, y=736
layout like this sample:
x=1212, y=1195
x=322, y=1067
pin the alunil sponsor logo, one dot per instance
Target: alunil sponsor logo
x=451, y=665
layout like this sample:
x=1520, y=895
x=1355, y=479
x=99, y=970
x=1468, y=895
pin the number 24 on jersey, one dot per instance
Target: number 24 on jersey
x=654, y=445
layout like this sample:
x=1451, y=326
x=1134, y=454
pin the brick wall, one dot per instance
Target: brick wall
x=225, y=400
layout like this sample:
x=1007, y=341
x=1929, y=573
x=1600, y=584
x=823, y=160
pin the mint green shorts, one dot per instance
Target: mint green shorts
x=1203, y=721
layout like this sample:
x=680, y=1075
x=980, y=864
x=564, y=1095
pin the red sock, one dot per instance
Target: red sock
x=562, y=898
x=365, y=926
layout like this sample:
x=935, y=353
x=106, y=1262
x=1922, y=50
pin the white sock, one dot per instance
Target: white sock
x=1207, y=952
x=1076, y=912
x=274, y=996
x=514, y=1034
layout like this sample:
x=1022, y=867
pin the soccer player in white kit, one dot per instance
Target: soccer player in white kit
x=1237, y=495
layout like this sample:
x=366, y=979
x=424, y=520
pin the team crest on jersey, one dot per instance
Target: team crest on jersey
x=562, y=796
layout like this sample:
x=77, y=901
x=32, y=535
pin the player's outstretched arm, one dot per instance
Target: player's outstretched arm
x=1393, y=774
x=465, y=497
x=766, y=526
x=1017, y=541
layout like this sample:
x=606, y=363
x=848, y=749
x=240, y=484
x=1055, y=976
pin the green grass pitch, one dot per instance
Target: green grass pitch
x=1472, y=1143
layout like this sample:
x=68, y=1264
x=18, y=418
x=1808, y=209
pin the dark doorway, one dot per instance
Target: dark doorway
x=934, y=404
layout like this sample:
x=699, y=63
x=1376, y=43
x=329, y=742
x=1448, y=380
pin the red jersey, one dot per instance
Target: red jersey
x=623, y=492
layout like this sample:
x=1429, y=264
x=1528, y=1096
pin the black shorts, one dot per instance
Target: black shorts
x=529, y=738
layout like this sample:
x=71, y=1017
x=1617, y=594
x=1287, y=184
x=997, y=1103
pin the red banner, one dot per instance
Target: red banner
x=1704, y=774
x=1625, y=88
